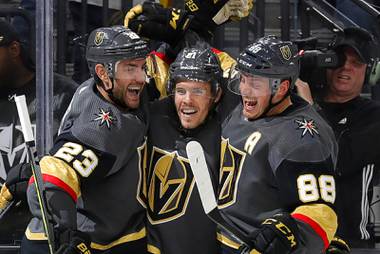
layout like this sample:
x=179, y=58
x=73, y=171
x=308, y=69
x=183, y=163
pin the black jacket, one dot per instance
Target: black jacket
x=356, y=125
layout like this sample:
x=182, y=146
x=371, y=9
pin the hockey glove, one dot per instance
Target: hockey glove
x=278, y=234
x=208, y=14
x=153, y=21
x=15, y=185
x=338, y=246
x=73, y=242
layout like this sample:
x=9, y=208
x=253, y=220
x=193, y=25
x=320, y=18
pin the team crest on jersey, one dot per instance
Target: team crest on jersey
x=99, y=37
x=105, y=118
x=170, y=185
x=286, y=52
x=307, y=127
x=230, y=170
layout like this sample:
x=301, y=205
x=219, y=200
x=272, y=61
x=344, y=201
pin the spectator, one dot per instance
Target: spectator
x=17, y=76
x=355, y=121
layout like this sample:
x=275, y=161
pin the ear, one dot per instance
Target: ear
x=283, y=88
x=218, y=95
x=102, y=73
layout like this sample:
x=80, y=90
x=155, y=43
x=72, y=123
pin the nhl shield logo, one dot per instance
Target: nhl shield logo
x=99, y=36
x=286, y=52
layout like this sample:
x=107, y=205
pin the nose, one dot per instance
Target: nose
x=187, y=96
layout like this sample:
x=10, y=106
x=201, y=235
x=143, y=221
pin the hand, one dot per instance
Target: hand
x=15, y=185
x=208, y=14
x=303, y=90
x=73, y=242
x=278, y=234
x=338, y=246
x=153, y=21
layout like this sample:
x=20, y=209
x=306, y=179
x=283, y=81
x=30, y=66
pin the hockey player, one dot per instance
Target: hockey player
x=278, y=156
x=91, y=174
x=177, y=223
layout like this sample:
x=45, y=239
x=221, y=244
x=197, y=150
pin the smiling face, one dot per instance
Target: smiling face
x=129, y=81
x=346, y=82
x=256, y=93
x=193, y=100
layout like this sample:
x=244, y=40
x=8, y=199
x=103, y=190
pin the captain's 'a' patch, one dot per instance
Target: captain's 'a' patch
x=105, y=118
x=307, y=127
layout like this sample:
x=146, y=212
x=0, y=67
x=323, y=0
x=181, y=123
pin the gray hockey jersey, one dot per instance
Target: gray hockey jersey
x=95, y=163
x=278, y=164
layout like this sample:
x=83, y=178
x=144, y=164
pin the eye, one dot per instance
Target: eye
x=199, y=91
x=180, y=91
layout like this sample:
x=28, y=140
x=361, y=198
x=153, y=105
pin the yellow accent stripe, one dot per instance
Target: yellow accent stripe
x=234, y=245
x=227, y=241
x=153, y=249
x=321, y=214
x=127, y=238
x=60, y=169
x=35, y=235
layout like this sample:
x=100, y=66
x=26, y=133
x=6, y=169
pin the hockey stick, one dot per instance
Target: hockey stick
x=206, y=192
x=40, y=189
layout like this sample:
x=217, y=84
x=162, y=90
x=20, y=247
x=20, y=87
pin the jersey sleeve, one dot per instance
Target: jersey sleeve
x=307, y=190
x=69, y=166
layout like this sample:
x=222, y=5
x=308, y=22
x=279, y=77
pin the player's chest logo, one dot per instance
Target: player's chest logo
x=105, y=118
x=307, y=127
x=232, y=160
x=170, y=184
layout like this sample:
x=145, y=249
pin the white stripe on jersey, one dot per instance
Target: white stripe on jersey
x=366, y=180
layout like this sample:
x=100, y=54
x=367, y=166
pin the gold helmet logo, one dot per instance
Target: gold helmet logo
x=286, y=52
x=99, y=36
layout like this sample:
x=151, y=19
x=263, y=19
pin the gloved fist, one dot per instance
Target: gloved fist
x=338, y=246
x=153, y=21
x=208, y=14
x=73, y=242
x=16, y=184
x=278, y=234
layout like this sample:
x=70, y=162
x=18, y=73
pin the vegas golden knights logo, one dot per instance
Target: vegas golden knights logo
x=286, y=52
x=170, y=185
x=230, y=169
x=99, y=36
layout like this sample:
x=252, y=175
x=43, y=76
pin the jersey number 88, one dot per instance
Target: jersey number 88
x=309, y=189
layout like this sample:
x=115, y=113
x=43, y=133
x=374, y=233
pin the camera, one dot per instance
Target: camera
x=314, y=62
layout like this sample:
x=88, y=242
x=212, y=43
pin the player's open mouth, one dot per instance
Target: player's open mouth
x=134, y=89
x=250, y=104
x=188, y=111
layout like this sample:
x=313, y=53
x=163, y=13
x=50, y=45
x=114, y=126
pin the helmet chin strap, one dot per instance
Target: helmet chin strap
x=272, y=105
x=112, y=97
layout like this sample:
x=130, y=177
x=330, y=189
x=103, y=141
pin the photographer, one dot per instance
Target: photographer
x=355, y=121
